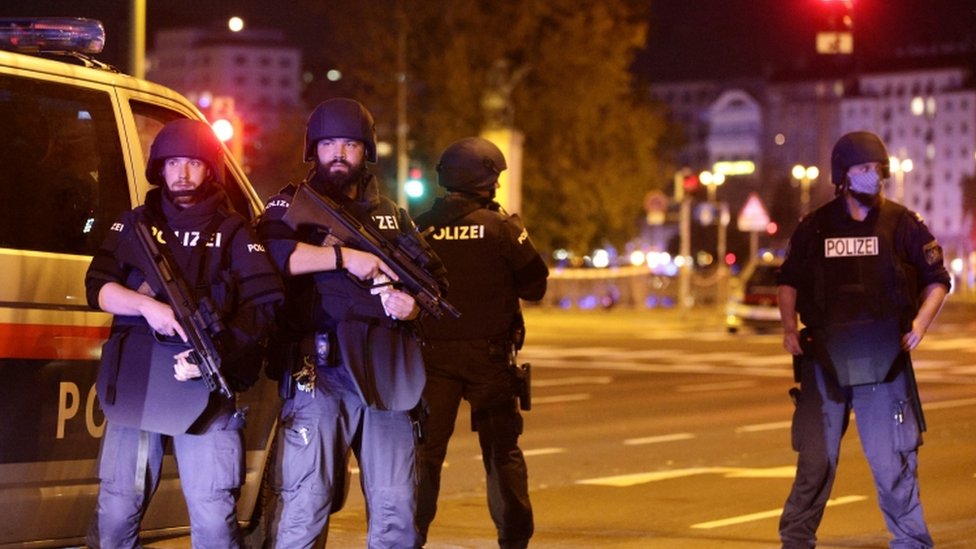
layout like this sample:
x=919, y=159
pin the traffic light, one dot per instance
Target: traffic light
x=690, y=183
x=835, y=28
x=415, y=186
x=227, y=124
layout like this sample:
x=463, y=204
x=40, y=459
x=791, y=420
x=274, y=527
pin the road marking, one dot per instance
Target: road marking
x=657, y=439
x=702, y=387
x=959, y=403
x=535, y=452
x=561, y=398
x=578, y=380
x=623, y=481
x=662, y=368
x=768, y=514
x=759, y=427
x=776, y=365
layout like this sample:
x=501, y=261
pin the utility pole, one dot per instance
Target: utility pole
x=684, y=237
x=403, y=159
x=137, y=38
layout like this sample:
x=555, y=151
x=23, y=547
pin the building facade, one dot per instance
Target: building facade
x=257, y=69
x=925, y=115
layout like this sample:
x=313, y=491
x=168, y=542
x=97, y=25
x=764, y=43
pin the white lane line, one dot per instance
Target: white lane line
x=768, y=514
x=543, y=451
x=657, y=439
x=724, y=386
x=535, y=452
x=663, y=368
x=759, y=427
x=578, y=380
x=561, y=398
x=633, y=479
x=959, y=403
x=644, y=478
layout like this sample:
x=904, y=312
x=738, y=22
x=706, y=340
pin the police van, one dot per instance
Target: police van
x=74, y=139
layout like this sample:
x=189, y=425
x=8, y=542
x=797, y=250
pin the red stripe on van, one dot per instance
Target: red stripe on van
x=58, y=342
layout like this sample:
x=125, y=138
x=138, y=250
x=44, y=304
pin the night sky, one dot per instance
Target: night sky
x=688, y=39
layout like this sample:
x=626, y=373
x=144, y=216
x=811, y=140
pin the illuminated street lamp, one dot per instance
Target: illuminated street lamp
x=711, y=181
x=900, y=168
x=806, y=175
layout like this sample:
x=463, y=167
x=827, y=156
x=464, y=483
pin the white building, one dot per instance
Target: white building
x=257, y=68
x=927, y=116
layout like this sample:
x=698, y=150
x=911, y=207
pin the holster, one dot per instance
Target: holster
x=418, y=418
x=523, y=384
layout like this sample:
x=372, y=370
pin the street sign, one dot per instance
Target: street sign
x=656, y=206
x=753, y=215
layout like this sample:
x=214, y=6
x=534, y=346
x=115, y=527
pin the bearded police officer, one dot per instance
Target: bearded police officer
x=491, y=264
x=867, y=279
x=352, y=367
x=147, y=385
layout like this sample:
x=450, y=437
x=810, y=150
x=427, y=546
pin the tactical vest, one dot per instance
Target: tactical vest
x=136, y=387
x=860, y=293
x=382, y=355
x=471, y=241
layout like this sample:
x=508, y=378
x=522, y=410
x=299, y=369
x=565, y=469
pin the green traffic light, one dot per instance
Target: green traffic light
x=414, y=186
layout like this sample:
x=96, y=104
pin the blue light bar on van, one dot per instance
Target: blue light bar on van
x=52, y=34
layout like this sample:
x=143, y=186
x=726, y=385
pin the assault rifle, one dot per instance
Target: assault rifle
x=197, y=316
x=405, y=255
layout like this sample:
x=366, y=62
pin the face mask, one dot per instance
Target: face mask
x=865, y=183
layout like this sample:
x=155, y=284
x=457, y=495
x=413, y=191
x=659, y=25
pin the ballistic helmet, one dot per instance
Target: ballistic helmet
x=186, y=138
x=471, y=164
x=857, y=148
x=340, y=117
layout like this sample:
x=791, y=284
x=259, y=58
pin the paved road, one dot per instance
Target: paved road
x=660, y=430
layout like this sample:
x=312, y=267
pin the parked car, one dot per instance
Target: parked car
x=73, y=147
x=755, y=304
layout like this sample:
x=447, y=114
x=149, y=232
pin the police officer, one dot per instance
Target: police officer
x=147, y=385
x=491, y=264
x=353, y=369
x=867, y=279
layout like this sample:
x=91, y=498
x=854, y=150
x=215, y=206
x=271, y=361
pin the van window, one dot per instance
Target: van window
x=151, y=118
x=62, y=177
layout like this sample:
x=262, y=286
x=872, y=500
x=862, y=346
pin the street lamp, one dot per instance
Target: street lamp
x=806, y=175
x=711, y=181
x=900, y=168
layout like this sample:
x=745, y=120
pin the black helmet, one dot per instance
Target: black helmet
x=340, y=117
x=187, y=138
x=471, y=164
x=857, y=148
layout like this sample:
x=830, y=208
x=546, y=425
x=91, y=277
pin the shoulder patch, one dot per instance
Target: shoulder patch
x=917, y=216
x=933, y=253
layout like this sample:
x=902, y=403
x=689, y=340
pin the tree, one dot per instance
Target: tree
x=556, y=70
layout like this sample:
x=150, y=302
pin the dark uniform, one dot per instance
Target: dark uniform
x=491, y=264
x=221, y=257
x=359, y=372
x=857, y=292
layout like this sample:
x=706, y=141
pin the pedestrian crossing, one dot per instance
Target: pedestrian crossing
x=941, y=358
